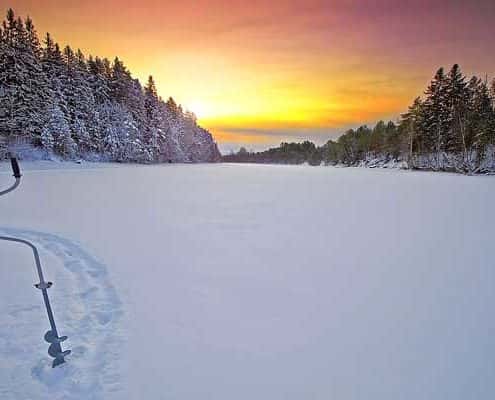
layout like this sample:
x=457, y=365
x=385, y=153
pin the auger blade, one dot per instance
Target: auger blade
x=54, y=350
x=57, y=362
x=43, y=285
x=60, y=359
x=51, y=338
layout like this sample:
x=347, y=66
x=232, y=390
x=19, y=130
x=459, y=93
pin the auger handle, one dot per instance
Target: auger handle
x=15, y=167
x=17, y=175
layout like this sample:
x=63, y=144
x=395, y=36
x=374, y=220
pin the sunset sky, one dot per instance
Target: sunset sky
x=259, y=72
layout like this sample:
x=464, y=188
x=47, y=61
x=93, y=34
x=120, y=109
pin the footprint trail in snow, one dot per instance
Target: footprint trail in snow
x=87, y=310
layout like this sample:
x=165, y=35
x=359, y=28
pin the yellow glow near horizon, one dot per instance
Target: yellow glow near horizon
x=280, y=65
x=201, y=109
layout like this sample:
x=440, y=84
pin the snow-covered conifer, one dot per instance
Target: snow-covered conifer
x=57, y=135
x=75, y=106
x=435, y=116
x=23, y=88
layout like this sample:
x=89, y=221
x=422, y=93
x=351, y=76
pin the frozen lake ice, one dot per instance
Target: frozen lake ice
x=250, y=282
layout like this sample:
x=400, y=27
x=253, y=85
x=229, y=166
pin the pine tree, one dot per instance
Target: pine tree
x=120, y=82
x=480, y=117
x=52, y=62
x=23, y=90
x=85, y=123
x=412, y=125
x=457, y=99
x=79, y=100
x=150, y=89
x=107, y=65
x=32, y=38
x=127, y=91
x=121, y=139
x=135, y=103
x=98, y=80
x=155, y=131
x=56, y=135
x=393, y=140
x=172, y=106
x=377, y=139
x=435, y=118
x=72, y=106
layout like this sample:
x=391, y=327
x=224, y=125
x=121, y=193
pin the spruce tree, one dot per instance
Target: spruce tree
x=56, y=134
x=172, y=106
x=98, y=80
x=435, y=117
x=377, y=138
x=127, y=91
x=32, y=38
x=23, y=89
x=156, y=129
x=412, y=124
x=52, y=62
x=480, y=119
x=457, y=99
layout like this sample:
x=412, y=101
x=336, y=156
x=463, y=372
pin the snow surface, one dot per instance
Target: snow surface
x=249, y=282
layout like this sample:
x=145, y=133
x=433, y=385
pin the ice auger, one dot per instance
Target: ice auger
x=52, y=337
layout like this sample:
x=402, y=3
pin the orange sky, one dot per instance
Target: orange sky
x=260, y=72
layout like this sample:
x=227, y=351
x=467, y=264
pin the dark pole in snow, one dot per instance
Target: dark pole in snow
x=17, y=176
x=54, y=350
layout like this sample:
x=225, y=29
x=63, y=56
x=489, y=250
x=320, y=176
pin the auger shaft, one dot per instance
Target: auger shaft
x=55, y=350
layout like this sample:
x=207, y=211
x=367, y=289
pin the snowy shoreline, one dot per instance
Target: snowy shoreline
x=54, y=165
x=395, y=166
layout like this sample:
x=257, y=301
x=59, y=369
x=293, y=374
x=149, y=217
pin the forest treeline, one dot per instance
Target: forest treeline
x=74, y=106
x=450, y=128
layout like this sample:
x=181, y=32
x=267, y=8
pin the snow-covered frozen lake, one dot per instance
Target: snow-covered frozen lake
x=233, y=282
